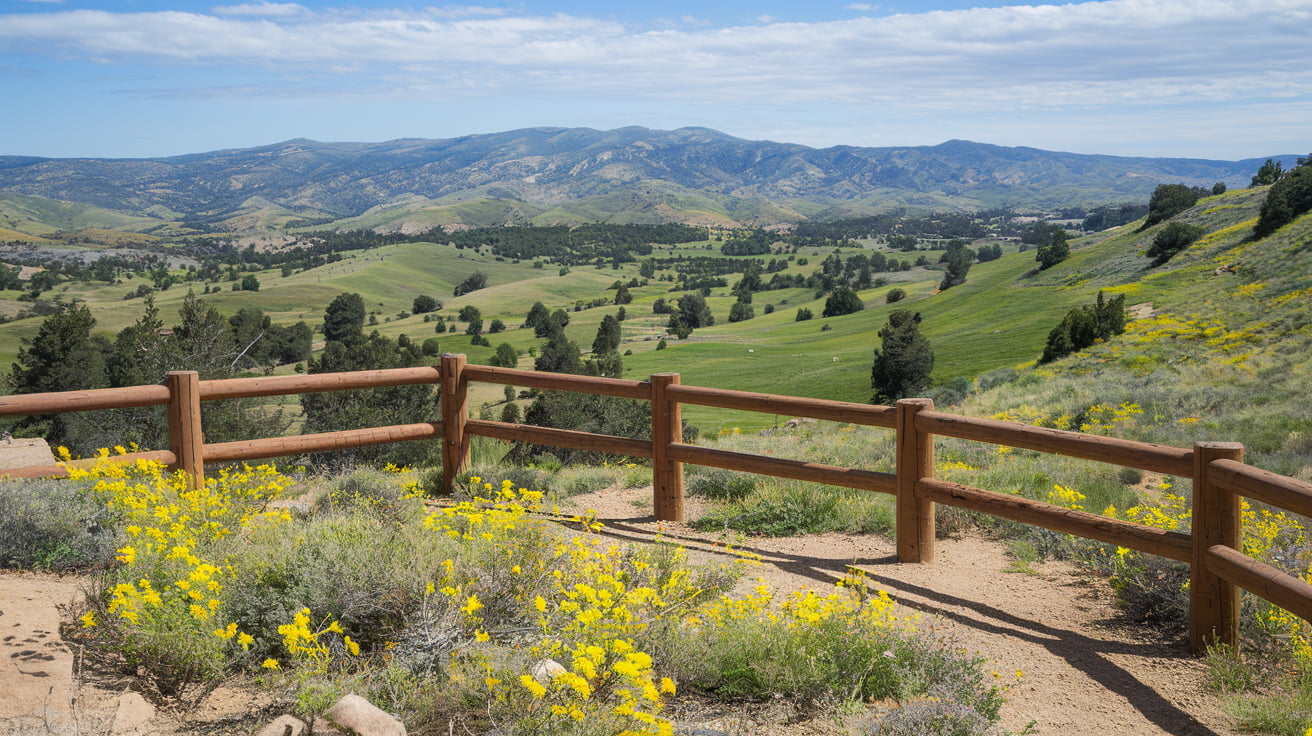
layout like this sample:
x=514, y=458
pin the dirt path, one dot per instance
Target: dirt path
x=1084, y=669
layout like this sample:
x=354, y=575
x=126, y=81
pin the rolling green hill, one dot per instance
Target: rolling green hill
x=997, y=320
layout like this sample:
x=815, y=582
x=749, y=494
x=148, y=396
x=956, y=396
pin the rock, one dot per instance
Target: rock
x=545, y=671
x=355, y=715
x=132, y=714
x=284, y=725
x=25, y=452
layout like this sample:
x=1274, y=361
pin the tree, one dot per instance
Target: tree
x=1287, y=199
x=1268, y=174
x=608, y=336
x=473, y=282
x=62, y=356
x=1054, y=251
x=424, y=304
x=250, y=283
x=510, y=413
x=842, y=301
x=959, y=259
x=895, y=294
x=348, y=349
x=584, y=413
x=344, y=318
x=902, y=367
x=505, y=357
x=803, y=314
x=622, y=295
x=741, y=311
x=1083, y=326
x=469, y=313
x=496, y=326
x=538, y=318
x=1172, y=239
x=1218, y=188
x=695, y=311
x=559, y=355
x=1169, y=200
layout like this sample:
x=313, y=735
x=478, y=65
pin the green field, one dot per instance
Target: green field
x=998, y=319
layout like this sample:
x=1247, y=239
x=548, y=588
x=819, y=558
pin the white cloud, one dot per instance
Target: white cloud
x=861, y=7
x=266, y=9
x=1119, y=52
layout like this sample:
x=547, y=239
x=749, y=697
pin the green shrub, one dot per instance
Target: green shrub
x=52, y=525
x=719, y=484
x=791, y=508
x=584, y=479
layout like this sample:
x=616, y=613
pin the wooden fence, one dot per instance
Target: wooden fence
x=1213, y=548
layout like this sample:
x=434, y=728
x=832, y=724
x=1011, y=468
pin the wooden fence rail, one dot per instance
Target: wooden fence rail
x=1213, y=547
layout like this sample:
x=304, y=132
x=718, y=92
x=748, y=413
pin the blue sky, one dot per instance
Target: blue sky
x=1222, y=79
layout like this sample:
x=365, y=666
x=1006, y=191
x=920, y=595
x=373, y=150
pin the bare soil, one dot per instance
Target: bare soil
x=1083, y=668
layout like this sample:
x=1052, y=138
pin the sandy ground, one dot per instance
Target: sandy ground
x=1084, y=669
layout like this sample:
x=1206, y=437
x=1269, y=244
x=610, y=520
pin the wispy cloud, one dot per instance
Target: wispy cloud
x=267, y=10
x=1022, y=57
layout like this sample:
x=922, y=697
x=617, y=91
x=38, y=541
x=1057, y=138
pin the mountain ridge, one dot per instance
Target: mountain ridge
x=553, y=171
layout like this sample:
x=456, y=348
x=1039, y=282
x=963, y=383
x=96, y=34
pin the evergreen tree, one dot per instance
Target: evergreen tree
x=741, y=311
x=608, y=336
x=351, y=350
x=959, y=259
x=344, y=318
x=538, y=318
x=1054, y=251
x=1268, y=174
x=1288, y=198
x=902, y=366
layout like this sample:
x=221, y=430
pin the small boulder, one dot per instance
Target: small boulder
x=132, y=714
x=283, y=725
x=355, y=715
x=545, y=671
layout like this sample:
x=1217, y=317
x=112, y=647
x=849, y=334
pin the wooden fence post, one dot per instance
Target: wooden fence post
x=915, y=460
x=185, y=438
x=455, y=410
x=1213, y=601
x=666, y=428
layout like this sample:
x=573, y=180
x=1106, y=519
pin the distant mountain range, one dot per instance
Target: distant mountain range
x=547, y=175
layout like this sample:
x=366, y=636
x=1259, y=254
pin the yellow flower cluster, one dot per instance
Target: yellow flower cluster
x=1274, y=537
x=163, y=582
x=309, y=645
x=1066, y=497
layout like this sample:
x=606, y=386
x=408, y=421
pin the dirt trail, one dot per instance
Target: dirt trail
x=1084, y=669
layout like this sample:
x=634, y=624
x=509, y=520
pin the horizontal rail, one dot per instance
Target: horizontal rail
x=1169, y=544
x=61, y=470
x=1142, y=455
x=93, y=399
x=867, y=480
x=1263, y=485
x=622, y=388
x=1261, y=579
x=834, y=411
x=321, y=442
x=569, y=438
x=240, y=388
